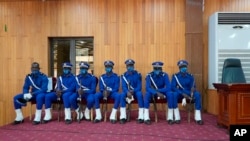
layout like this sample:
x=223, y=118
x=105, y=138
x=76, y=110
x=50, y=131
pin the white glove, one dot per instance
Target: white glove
x=85, y=89
x=184, y=102
x=109, y=89
x=129, y=100
x=27, y=96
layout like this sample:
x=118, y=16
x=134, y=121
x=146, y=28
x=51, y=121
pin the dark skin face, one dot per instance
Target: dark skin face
x=130, y=65
x=35, y=68
x=157, y=68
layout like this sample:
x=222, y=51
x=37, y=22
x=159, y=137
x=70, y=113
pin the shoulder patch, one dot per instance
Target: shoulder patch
x=43, y=74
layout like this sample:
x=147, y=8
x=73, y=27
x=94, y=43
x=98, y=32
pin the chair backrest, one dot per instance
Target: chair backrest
x=51, y=84
x=232, y=71
x=96, y=78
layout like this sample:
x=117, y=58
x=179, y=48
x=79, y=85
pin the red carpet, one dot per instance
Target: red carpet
x=161, y=131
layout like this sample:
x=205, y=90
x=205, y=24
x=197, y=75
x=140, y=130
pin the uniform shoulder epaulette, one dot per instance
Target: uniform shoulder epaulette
x=149, y=74
x=43, y=74
x=115, y=74
x=139, y=73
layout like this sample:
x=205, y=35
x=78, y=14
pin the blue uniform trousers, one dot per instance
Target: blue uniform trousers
x=197, y=97
x=148, y=98
x=52, y=97
x=89, y=98
x=113, y=95
x=137, y=95
x=39, y=98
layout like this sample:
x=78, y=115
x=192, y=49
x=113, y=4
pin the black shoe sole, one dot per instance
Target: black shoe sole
x=113, y=121
x=148, y=122
x=67, y=121
x=199, y=122
x=170, y=122
x=97, y=121
x=36, y=122
x=177, y=121
x=45, y=121
x=123, y=121
x=18, y=122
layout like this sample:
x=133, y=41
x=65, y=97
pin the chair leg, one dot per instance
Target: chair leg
x=155, y=110
x=129, y=112
x=91, y=114
x=190, y=108
x=58, y=111
x=105, y=106
x=105, y=114
x=189, y=113
x=30, y=111
x=166, y=112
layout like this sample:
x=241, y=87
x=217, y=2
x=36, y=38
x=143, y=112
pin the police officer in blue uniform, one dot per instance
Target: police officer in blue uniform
x=65, y=87
x=109, y=84
x=158, y=86
x=86, y=88
x=183, y=83
x=34, y=88
x=131, y=87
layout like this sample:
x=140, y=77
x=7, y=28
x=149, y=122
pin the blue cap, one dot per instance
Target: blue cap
x=182, y=63
x=129, y=62
x=84, y=65
x=109, y=63
x=67, y=65
x=157, y=64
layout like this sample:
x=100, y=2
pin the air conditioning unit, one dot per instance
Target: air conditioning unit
x=228, y=37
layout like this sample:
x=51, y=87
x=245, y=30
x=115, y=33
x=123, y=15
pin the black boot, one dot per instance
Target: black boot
x=68, y=121
x=17, y=122
x=178, y=121
x=139, y=121
x=97, y=120
x=148, y=122
x=200, y=122
x=113, y=121
x=170, y=122
x=123, y=121
x=36, y=122
x=45, y=121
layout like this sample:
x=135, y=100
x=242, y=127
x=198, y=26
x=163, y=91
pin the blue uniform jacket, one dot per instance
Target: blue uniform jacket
x=40, y=80
x=112, y=81
x=134, y=79
x=87, y=81
x=186, y=80
x=69, y=81
x=161, y=81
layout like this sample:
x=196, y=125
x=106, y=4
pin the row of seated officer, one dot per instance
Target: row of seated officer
x=70, y=88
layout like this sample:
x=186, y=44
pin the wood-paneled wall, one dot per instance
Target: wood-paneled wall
x=144, y=30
